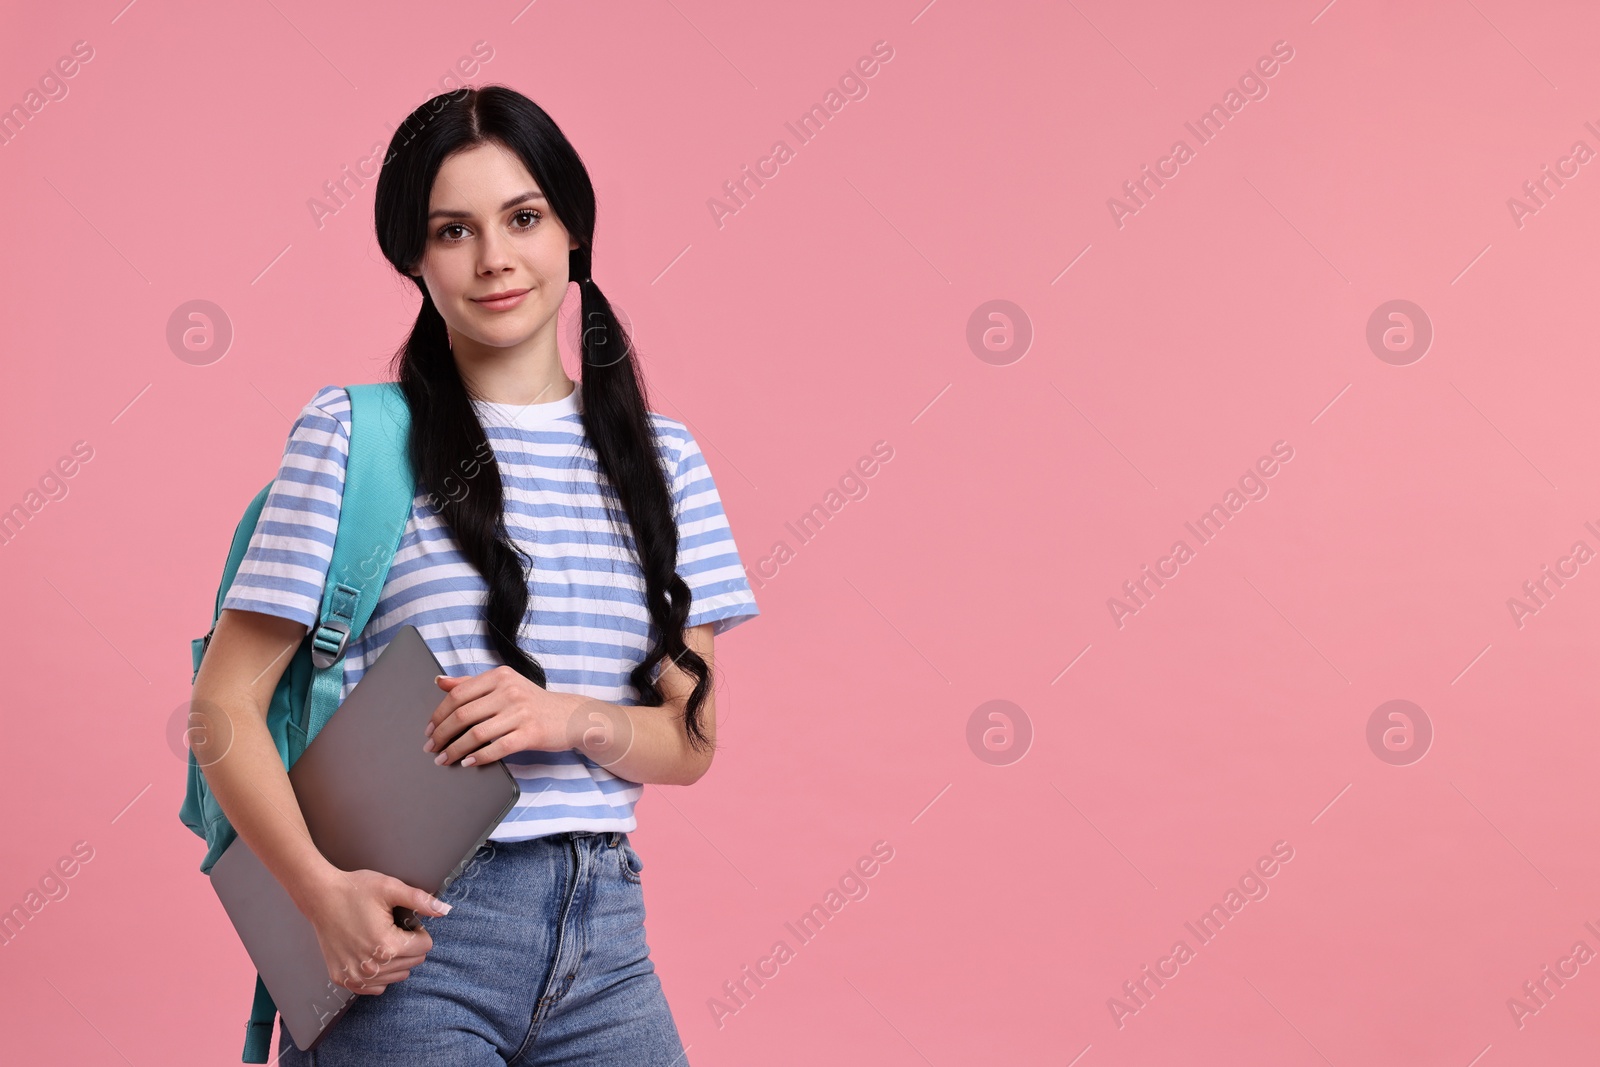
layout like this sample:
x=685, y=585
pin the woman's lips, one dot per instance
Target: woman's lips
x=510, y=299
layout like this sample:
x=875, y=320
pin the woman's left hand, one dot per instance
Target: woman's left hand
x=487, y=716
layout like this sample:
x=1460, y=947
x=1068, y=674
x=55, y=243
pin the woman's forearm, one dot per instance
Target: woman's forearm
x=640, y=744
x=245, y=773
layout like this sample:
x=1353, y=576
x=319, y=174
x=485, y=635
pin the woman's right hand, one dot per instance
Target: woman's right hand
x=364, y=948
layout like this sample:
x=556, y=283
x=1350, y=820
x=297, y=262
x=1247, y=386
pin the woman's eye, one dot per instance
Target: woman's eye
x=532, y=219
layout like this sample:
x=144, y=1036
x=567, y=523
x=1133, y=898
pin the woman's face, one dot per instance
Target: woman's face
x=490, y=230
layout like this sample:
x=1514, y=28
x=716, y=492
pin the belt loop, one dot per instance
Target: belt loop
x=616, y=836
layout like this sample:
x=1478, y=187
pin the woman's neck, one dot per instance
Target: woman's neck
x=507, y=376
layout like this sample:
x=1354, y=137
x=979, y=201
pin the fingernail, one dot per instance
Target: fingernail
x=469, y=761
x=439, y=759
x=428, y=747
x=443, y=906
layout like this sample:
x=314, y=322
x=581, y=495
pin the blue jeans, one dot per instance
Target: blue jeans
x=542, y=960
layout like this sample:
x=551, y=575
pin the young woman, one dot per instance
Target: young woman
x=567, y=559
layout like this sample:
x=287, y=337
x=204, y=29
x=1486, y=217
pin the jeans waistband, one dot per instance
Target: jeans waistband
x=612, y=838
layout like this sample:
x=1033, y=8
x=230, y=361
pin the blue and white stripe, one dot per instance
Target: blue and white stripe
x=586, y=624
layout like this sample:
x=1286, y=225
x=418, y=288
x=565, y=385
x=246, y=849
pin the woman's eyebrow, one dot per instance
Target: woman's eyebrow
x=513, y=202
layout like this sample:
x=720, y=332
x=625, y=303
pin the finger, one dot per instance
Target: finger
x=475, y=737
x=379, y=967
x=412, y=942
x=487, y=754
x=455, y=727
x=418, y=900
x=499, y=748
x=370, y=984
x=364, y=972
x=366, y=978
x=440, y=713
x=387, y=960
x=466, y=689
x=467, y=715
x=377, y=989
x=401, y=963
x=447, y=683
x=389, y=976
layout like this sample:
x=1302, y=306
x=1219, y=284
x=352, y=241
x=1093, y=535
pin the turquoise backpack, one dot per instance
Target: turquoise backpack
x=379, y=488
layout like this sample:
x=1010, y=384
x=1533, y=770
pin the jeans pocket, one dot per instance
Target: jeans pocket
x=632, y=865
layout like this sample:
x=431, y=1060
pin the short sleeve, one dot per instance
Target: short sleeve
x=286, y=565
x=708, y=559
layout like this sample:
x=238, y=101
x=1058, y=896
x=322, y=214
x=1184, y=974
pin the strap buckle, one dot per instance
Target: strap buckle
x=329, y=642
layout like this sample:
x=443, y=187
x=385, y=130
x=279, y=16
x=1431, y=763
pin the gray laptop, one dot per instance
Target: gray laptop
x=374, y=800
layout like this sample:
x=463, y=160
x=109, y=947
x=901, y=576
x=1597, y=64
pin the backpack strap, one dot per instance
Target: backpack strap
x=379, y=489
x=258, y=1031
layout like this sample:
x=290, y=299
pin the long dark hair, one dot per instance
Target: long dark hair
x=447, y=439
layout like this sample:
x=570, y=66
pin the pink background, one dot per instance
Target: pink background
x=832, y=312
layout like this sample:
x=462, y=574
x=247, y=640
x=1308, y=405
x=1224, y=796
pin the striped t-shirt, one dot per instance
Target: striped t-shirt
x=586, y=624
